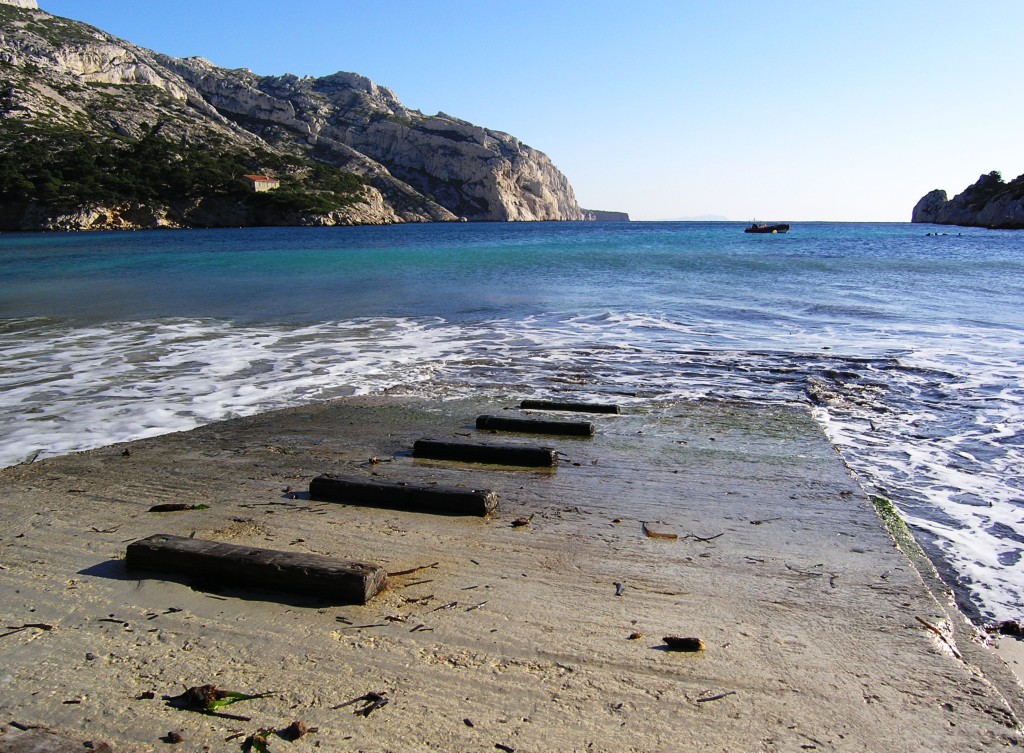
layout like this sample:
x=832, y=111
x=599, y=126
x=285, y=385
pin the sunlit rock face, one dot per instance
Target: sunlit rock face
x=930, y=206
x=418, y=168
x=472, y=172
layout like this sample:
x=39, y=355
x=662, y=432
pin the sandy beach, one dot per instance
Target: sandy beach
x=819, y=633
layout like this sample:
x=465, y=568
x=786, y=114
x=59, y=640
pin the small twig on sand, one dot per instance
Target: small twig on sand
x=695, y=537
x=942, y=636
x=12, y=629
x=418, y=600
x=413, y=570
x=808, y=573
x=718, y=697
x=364, y=627
x=373, y=701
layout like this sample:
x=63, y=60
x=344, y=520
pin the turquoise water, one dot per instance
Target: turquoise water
x=910, y=340
x=460, y=271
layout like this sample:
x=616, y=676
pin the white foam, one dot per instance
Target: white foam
x=936, y=430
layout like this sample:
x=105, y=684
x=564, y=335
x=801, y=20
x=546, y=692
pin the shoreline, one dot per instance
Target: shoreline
x=818, y=631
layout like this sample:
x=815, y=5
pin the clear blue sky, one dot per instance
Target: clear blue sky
x=785, y=110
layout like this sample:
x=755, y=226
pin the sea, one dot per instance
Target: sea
x=907, y=341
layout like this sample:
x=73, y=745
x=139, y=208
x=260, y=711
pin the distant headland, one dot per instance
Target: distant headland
x=98, y=133
x=599, y=215
x=990, y=202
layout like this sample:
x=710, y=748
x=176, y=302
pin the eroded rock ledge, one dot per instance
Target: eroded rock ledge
x=990, y=202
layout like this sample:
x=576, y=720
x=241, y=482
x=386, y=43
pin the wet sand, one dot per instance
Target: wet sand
x=819, y=632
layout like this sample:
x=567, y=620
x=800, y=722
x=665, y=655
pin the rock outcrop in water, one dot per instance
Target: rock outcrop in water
x=600, y=215
x=990, y=202
x=89, y=104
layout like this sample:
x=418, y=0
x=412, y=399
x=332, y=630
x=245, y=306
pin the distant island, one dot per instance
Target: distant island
x=598, y=215
x=98, y=133
x=990, y=202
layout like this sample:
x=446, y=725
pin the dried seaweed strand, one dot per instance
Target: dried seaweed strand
x=658, y=534
x=942, y=636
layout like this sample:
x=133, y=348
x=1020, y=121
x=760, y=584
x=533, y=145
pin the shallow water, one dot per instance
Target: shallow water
x=911, y=344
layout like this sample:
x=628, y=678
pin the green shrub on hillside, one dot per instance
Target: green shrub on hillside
x=66, y=168
x=987, y=187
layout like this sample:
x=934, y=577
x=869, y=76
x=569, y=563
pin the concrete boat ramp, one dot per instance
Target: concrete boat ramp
x=538, y=627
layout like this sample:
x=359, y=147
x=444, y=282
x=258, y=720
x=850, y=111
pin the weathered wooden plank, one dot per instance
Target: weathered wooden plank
x=337, y=580
x=397, y=495
x=535, y=426
x=569, y=406
x=494, y=454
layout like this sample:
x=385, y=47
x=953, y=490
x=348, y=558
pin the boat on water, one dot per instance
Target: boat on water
x=765, y=228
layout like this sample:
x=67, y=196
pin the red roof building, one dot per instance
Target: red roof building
x=260, y=183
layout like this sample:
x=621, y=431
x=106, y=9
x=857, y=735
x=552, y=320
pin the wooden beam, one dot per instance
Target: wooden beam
x=569, y=406
x=398, y=495
x=337, y=580
x=535, y=426
x=495, y=454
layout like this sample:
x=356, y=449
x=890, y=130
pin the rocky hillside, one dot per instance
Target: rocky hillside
x=98, y=132
x=990, y=202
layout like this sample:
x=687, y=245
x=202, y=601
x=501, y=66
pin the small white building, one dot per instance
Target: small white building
x=260, y=183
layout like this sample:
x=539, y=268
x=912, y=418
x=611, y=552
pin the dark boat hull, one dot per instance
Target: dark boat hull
x=767, y=229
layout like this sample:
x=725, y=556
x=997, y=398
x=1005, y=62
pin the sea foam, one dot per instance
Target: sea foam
x=943, y=443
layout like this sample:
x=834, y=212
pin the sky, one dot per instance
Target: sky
x=792, y=110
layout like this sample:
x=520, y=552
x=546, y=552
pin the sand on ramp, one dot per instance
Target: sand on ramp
x=538, y=628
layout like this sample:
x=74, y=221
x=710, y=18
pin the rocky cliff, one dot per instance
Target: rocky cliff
x=990, y=202
x=69, y=84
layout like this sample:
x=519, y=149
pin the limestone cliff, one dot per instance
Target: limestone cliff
x=989, y=202
x=57, y=73
x=472, y=172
